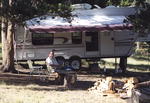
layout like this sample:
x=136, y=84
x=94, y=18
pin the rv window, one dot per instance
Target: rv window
x=76, y=37
x=42, y=38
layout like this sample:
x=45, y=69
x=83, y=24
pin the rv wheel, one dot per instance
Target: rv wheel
x=66, y=64
x=75, y=63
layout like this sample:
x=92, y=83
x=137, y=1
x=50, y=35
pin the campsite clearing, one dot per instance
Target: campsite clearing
x=19, y=89
x=23, y=88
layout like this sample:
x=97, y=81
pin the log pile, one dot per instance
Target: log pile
x=110, y=86
x=101, y=85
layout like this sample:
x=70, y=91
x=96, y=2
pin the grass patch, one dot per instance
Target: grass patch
x=137, y=65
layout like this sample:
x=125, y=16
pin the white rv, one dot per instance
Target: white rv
x=92, y=34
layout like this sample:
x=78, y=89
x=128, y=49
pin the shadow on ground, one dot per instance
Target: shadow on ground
x=83, y=82
x=42, y=84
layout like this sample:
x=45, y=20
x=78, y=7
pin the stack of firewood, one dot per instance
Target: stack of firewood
x=102, y=85
x=108, y=85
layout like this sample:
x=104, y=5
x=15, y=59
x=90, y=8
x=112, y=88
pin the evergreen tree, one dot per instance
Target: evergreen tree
x=15, y=12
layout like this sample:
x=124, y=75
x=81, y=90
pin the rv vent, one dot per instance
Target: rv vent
x=81, y=6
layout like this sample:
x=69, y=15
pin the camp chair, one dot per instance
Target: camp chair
x=34, y=69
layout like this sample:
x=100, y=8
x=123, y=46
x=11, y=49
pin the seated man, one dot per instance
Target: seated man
x=51, y=62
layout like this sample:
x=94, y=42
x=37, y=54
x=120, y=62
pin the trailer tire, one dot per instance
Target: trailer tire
x=75, y=63
x=66, y=64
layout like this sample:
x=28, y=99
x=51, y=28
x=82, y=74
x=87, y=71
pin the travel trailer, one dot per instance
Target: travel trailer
x=92, y=34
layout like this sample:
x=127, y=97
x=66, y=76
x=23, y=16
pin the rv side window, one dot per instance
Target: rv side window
x=42, y=38
x=76, y=37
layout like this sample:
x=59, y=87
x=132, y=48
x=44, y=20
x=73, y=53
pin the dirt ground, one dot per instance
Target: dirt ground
x=52, y=92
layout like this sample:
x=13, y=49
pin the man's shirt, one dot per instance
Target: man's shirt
x=51, y=61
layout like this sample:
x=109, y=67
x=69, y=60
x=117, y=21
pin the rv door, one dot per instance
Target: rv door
x=91, y=41
x=107, y=44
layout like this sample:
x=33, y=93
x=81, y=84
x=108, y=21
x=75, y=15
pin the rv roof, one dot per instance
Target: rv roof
x=84, y=21
x=82, y=6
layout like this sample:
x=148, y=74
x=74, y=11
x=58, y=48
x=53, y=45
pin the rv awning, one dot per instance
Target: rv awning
x=55, y=29
x=86, y=22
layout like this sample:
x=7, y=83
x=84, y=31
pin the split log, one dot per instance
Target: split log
x=143, y=84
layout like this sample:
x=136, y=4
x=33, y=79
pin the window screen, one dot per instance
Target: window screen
x=42, y=38
x=76, y=37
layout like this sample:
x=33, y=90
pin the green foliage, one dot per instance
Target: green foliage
x=21, y=10
x=141, y=20
x=140, y=3
x=114, y=2
x=102, y=3
x=63, y=10
x=126, y=2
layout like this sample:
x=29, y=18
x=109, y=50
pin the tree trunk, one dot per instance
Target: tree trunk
x=123, y=64
x=7, y=33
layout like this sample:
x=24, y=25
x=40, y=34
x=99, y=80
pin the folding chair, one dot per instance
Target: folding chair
x=34, y=69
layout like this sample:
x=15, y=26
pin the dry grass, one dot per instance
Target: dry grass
x=24, y=92
x=33, y=93
x=28, y=94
